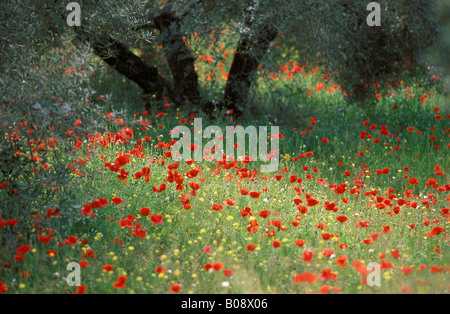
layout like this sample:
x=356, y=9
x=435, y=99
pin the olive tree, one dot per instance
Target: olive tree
x=360, y=54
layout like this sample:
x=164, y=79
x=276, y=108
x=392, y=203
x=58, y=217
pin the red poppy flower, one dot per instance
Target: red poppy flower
x=253, y=226
x=300, y=243
x=340, y=189
x=117, y=200
x=138, y=232
x=255, y=195
x=88, y=253
x=159, y=189
x=217, y=266
x=386, y=265
x=145, y=211
x=83, y=263
x=71, y=240
x=108, y=268
x=208, y=267
x=217, y=207
x=95, y=204
x=327, y=253
x=120, y=283
x=395, y=254
x=229, y=202
x=44, y=239
x=406, y=270
x=310, y=201
x=305, y=277
x=175, y=288
x=327, y=236
x=276, y=244
x=374, y=236
x=386, y=229
x=194, y=186
x=20, y=255
x=435, y=269
x=246, y=212
x=25, y=274
x=341, y=260
x=367, y=241
x=3, y=287
x=80, y=290
x=329, y=206
x=157, y=219
x=244, y=192
x=327, y=274
x=161, y=270
x=362, y=224
x=228, y=272
x=52, y=253
x=303, y=209
x=308, y=256
x=325, y=289
x=127, y=132
x=321, y=226
x=12, y=222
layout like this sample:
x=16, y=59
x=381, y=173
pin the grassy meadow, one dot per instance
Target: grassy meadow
x=355, y=185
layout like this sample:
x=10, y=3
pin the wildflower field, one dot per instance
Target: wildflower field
x=354, y=187
x=93, y=199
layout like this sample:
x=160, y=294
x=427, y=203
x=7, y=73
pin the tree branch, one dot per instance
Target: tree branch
x=180, y=59
x=249, y=52
x=118, y=56
x=149, y=26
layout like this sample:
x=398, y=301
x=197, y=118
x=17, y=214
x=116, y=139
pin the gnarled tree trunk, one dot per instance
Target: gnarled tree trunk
x=184, y=88
x=248, y=55
x=180, y=59
x=118, y=56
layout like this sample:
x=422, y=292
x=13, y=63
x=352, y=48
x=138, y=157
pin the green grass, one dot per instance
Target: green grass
x=178, y=244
